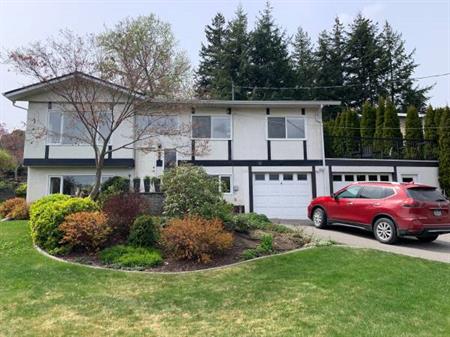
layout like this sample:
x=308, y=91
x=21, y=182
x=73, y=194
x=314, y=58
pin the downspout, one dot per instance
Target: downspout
x=322, y=137
x=18, y=106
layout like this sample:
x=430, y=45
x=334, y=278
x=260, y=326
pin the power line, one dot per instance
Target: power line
x=328, y=86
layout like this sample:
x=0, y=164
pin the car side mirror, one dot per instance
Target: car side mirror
x=333, y=195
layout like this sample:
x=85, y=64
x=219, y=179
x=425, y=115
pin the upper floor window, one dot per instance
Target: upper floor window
x=67, y=128
x=211, y=127
x=286, y=128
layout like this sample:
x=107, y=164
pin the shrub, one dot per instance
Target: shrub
x=21, y=190
x=122, y=210
x=265, y=247
x=48, y=214
x=195, y=238
x=113, y=186
x=15, y=208
x=128, y=256
x=39, y=205
x=86, y=231
x=250, y=221
x=144, y=232
x=189, y=190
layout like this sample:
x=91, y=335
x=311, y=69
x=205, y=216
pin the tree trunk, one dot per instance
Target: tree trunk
x=98, y=180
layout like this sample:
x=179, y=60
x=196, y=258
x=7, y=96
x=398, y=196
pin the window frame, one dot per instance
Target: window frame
x=61, y=133
x=211, y=116
x=285, y=127
x=61, y=180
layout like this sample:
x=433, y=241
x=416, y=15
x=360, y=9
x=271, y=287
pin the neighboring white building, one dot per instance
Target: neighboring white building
x=270, y=154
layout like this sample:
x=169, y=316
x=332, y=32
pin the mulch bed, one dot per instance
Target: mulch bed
x=282, y=242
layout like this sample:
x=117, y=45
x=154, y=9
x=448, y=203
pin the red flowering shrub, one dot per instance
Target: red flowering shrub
x=85, y=230
x=196, y=238
x=122, y=210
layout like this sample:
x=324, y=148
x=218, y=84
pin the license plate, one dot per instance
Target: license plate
x=437, y=212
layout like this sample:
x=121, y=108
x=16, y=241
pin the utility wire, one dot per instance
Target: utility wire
x=328, y=86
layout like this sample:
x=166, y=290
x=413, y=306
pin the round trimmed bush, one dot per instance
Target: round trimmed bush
x=48, y=214
x=144, y=232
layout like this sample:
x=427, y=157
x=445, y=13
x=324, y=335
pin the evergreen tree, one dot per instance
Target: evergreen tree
x=209, y=76
x=413, y=134
x=352, y=132
x=444, y=153
x=378, y=146
x=391, y=131
x=368, y=123
x=237, y=56
x=269, y=57
x=338, y=135
x=329, y=59
x=431, y=135
x=396, y=69
x=303, y=64
x=362, y=58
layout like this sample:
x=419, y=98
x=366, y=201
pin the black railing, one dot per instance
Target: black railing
x=379, y=148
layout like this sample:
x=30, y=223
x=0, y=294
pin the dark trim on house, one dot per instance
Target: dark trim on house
x=303, y=111
x=267, y=111
x=82, y=162
x=330, y=178
x=250, y=188
x=229, y=111
x=47, y=150
x=311, y=162
x=381, y=162
x=109, y=152
x=269, y=150
x=159, y=163
x=230, y=154
x=314, y=182
x=252, y=162
x=394, y=174
x=49, y=105
x=305, y=151
x=193, y=150
x=193, y=110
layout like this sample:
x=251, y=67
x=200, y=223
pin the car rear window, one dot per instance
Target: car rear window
x=425, y=194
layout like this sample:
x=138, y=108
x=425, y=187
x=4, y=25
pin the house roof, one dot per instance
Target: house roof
x=23, y=93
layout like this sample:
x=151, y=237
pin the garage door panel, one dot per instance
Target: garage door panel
x=284, y=199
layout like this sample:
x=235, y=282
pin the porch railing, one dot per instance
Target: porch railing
x=379, y=148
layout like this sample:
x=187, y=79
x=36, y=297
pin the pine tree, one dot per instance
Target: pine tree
x=211, y=69
x=413, y=134
x=237, y=56
x=338, y=135
x=444, y=153
x=396, y=68
x=378, y=146
x=352, y=128
x=391, y=131
x=362, y=54
x=329, y=59
x=269, y=57
x=304, y=64
x=431, y=135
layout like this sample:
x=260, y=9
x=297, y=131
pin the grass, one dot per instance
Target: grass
x=326, y=291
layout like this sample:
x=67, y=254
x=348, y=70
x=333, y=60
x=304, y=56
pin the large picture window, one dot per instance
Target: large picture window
x=75, y=185
x=286, y=128
x=67, y=129
x=211, y=127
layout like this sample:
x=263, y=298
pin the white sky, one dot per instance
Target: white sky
x=425, y=26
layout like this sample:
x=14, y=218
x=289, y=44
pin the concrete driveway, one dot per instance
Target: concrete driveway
x=438, y=250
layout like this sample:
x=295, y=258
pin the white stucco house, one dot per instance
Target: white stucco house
x=270, y=155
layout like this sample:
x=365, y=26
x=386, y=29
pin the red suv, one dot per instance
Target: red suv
x=390, y=210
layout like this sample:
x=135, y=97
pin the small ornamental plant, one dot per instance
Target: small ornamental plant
x=15, y=208
x=85, y=231
x=196, y=238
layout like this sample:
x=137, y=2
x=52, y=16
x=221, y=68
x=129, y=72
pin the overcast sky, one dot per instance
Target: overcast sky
x=425, y=26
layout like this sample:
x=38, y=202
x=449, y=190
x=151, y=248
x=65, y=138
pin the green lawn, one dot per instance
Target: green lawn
x=326, y=291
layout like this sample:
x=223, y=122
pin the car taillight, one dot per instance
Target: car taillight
x=411, y=203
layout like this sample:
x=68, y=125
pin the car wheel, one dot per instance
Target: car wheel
x=319, y=218
x=427, y=238
x=385, y=231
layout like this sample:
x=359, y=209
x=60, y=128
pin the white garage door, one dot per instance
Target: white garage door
x=340, y=180
x=282, y=195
